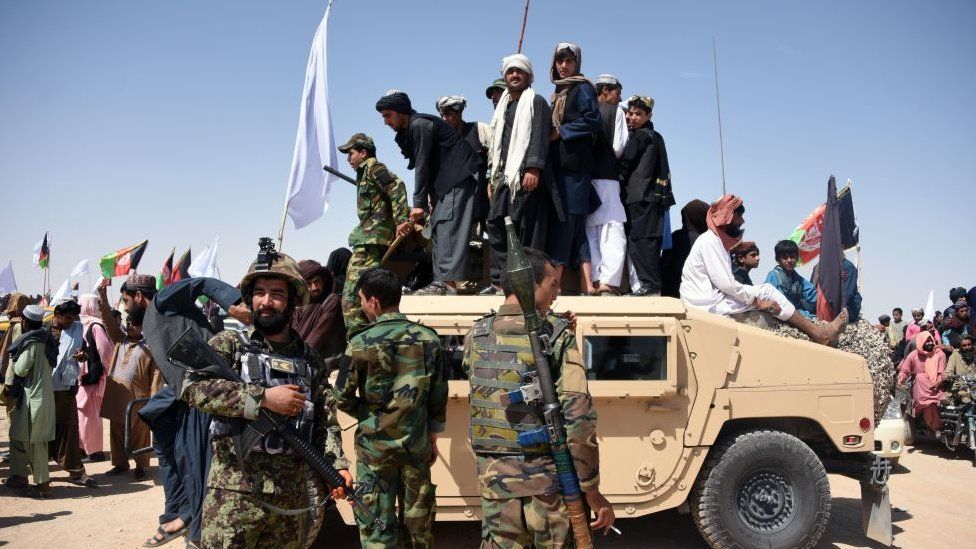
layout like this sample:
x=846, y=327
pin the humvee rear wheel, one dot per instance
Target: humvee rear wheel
x=761, y=489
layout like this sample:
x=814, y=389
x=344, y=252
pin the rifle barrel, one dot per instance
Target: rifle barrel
x=339, y=174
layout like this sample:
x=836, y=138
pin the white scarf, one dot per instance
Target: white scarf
x=518, y=142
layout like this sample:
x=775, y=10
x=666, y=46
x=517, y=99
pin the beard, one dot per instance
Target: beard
x=735, y=231
x=316, y=297
x=928, y=347
x=137, y=316
x=272, y=322
x=968, y=355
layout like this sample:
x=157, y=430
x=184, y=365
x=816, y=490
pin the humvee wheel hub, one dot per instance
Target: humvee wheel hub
x=765, y=502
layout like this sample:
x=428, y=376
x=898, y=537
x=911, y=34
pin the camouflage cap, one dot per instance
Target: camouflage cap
x=498, y=84
x=139, y=283
x=359, y=140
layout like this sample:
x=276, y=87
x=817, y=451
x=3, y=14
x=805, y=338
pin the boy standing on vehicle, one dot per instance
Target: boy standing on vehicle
x=381, y=203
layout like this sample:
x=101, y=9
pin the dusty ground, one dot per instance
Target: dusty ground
x=932, y=493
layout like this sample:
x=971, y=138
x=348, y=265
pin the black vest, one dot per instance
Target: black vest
x=605, y=163
x=575, y=155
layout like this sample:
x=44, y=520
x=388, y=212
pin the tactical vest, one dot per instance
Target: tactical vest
x=501, y=363
x=266, y=369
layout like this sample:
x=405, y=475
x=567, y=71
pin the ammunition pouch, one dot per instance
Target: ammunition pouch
x=265, y=369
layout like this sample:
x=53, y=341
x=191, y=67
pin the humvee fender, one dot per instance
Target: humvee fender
x=674, y=389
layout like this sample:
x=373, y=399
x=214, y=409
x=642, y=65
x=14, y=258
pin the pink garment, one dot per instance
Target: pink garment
x=925, y=392
x=89, y=397
x=912, y=331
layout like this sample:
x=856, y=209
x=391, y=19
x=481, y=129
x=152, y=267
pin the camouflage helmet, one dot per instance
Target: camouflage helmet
x=281, y=266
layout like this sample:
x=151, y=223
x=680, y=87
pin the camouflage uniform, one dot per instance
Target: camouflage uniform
x=393, y=384
x=381, y=203
x=520, y=496
x=233, y=515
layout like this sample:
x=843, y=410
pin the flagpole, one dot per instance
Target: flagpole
x=281, y=230
x=718, y=105
x=525, y=18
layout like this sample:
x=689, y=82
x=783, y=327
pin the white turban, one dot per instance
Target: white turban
x=454, y=102
x=517, y=61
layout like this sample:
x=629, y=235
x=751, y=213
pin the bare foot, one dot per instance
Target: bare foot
x=835, y=327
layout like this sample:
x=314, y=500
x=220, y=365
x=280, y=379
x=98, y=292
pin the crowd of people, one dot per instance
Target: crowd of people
x=586, y=184
x=930, y=351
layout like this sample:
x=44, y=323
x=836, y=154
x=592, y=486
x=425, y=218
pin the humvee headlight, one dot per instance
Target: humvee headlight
x=895, y=446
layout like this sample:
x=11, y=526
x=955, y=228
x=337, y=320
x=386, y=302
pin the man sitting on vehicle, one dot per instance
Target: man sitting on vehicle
x=707, y=282
x=963, y=362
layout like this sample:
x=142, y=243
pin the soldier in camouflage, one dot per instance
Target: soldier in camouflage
x=381, y=203
x=392, y=382
x=520, y=496
x=245, y=503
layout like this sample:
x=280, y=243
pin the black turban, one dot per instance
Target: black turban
x=397, y=102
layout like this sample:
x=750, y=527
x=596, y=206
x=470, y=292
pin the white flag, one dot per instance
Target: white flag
x=7, y=282
x=205, y=264
x=80, y=269
x=308, y=183
x=929, y=311
x=64, y=292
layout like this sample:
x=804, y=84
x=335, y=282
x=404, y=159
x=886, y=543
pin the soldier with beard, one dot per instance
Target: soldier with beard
x=251, y=501
x=320, y=322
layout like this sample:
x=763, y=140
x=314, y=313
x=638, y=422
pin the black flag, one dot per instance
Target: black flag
x=830, y=288
x=849, y=232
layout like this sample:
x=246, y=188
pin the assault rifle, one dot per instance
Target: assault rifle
x=192, y=353
x=540, y=390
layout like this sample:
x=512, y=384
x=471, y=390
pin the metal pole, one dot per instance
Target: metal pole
x=525, y=17
x=281, y=230
x=718, y=105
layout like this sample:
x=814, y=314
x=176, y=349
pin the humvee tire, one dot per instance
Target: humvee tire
x=761, y=489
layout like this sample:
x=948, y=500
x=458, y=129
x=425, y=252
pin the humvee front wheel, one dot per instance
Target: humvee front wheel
x=761, y=489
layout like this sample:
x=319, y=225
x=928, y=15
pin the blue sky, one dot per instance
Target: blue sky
x=175, y=121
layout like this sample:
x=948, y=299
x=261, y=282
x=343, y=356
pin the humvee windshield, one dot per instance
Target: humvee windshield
x=641, y=358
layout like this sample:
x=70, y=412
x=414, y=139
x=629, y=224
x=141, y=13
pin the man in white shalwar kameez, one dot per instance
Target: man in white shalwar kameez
x=605, y=227
x=707, y=282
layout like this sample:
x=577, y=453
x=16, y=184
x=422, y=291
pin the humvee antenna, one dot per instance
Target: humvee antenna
x=718, y=105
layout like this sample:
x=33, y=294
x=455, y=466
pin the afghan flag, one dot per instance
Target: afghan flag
x=121, y=262
x=42, y=253
x=830, y=286
x=166, y=274
x=808, y=235
x=180, y=269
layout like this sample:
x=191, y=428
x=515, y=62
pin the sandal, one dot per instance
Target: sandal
x=156, y=541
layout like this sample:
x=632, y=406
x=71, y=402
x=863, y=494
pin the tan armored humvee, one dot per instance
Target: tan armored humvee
x=696, y=412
